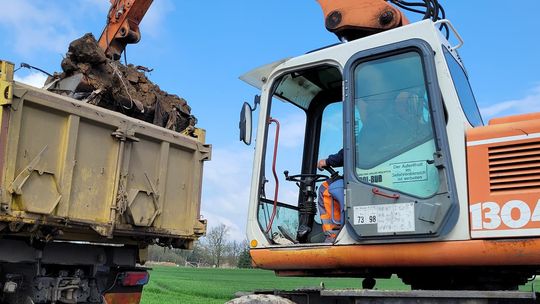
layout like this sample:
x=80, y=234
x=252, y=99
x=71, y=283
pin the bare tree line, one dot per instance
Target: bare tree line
x=213, y=250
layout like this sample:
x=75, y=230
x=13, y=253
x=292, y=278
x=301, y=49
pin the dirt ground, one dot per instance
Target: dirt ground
x=126, y=89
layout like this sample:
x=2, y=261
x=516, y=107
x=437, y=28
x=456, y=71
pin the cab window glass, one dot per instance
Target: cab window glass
x=281, y=201
x=285, y=220
x=292, y=121
x=331, y=140
x=465, y=93
x=394, y=137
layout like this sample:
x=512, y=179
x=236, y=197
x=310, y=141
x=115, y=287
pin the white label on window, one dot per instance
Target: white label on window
x=388, y=218
x=409, y=172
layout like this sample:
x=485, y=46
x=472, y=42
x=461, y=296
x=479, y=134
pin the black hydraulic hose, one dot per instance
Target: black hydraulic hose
x=445, y=26
x=408, y=8
x=443, y=13
x=432, y=10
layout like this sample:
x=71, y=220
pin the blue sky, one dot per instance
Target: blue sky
x=199, y=48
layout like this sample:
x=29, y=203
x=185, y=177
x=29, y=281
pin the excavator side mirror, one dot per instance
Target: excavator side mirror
x=245, y=123
x=246, y=120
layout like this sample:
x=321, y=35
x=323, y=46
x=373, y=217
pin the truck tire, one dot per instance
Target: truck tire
x=260, y=299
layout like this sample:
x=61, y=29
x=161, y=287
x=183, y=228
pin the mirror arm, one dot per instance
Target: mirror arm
x=256, y=102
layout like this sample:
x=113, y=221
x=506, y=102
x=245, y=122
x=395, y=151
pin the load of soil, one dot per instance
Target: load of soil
x=126, y=89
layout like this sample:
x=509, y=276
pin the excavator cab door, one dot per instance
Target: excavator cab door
x=399, y=178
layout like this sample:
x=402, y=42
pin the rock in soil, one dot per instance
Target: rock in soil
x=260, y=299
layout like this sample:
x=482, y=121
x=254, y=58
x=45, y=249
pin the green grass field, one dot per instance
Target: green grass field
x=204, y=285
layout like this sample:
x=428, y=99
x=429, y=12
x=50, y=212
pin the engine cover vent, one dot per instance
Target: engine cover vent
x=514, y=167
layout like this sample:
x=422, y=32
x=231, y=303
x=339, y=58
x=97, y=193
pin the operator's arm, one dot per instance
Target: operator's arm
x=333, y=160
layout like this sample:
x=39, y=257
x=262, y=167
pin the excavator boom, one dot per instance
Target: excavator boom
x=122, y=26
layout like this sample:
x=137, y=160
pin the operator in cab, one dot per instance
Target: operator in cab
x=331, y=198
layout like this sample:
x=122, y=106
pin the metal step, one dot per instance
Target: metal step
x=357, y=296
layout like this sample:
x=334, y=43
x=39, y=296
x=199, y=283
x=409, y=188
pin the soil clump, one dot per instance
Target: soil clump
x=122, y=88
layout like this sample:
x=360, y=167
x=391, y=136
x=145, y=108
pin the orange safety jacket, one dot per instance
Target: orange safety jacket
x=330, y=210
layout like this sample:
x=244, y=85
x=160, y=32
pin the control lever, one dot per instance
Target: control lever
x=333, y=173
x=307, y=208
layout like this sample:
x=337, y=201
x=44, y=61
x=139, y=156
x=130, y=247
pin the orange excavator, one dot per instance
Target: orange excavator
x=430, y=193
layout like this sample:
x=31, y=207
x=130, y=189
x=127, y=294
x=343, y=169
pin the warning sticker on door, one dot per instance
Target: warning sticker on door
x=409, y=171
x=389, y=218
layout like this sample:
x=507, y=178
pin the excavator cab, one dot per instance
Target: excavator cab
x=378, y=98
x=393, y=101
x=301, y=102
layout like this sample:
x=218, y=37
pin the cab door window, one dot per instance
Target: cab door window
x=331, y=140
x=394, y=138
x=464, y=90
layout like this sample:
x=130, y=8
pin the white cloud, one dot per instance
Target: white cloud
x=236, y=232
x=35, y=79
x=527, y=104
x=226, y=187
x=153, y=22
x=36, y=26
x=292, y=130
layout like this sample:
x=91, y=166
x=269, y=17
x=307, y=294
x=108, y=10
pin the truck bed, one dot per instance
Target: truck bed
x=81, y=172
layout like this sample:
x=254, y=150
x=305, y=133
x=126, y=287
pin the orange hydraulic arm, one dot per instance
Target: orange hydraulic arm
x=122, y=26
x=353, y=19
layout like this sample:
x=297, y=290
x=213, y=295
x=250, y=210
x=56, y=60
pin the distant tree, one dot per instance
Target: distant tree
x=216, y=243
x=234, y=251
x=162, y=254
x=155, y=253
x=199, y=255
x=244, y=261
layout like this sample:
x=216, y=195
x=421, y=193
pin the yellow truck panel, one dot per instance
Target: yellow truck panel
x=96, y=172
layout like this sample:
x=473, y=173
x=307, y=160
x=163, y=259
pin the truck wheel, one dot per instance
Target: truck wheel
x=260, y=299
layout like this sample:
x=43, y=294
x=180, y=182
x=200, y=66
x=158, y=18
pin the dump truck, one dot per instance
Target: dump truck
x=83, y=192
